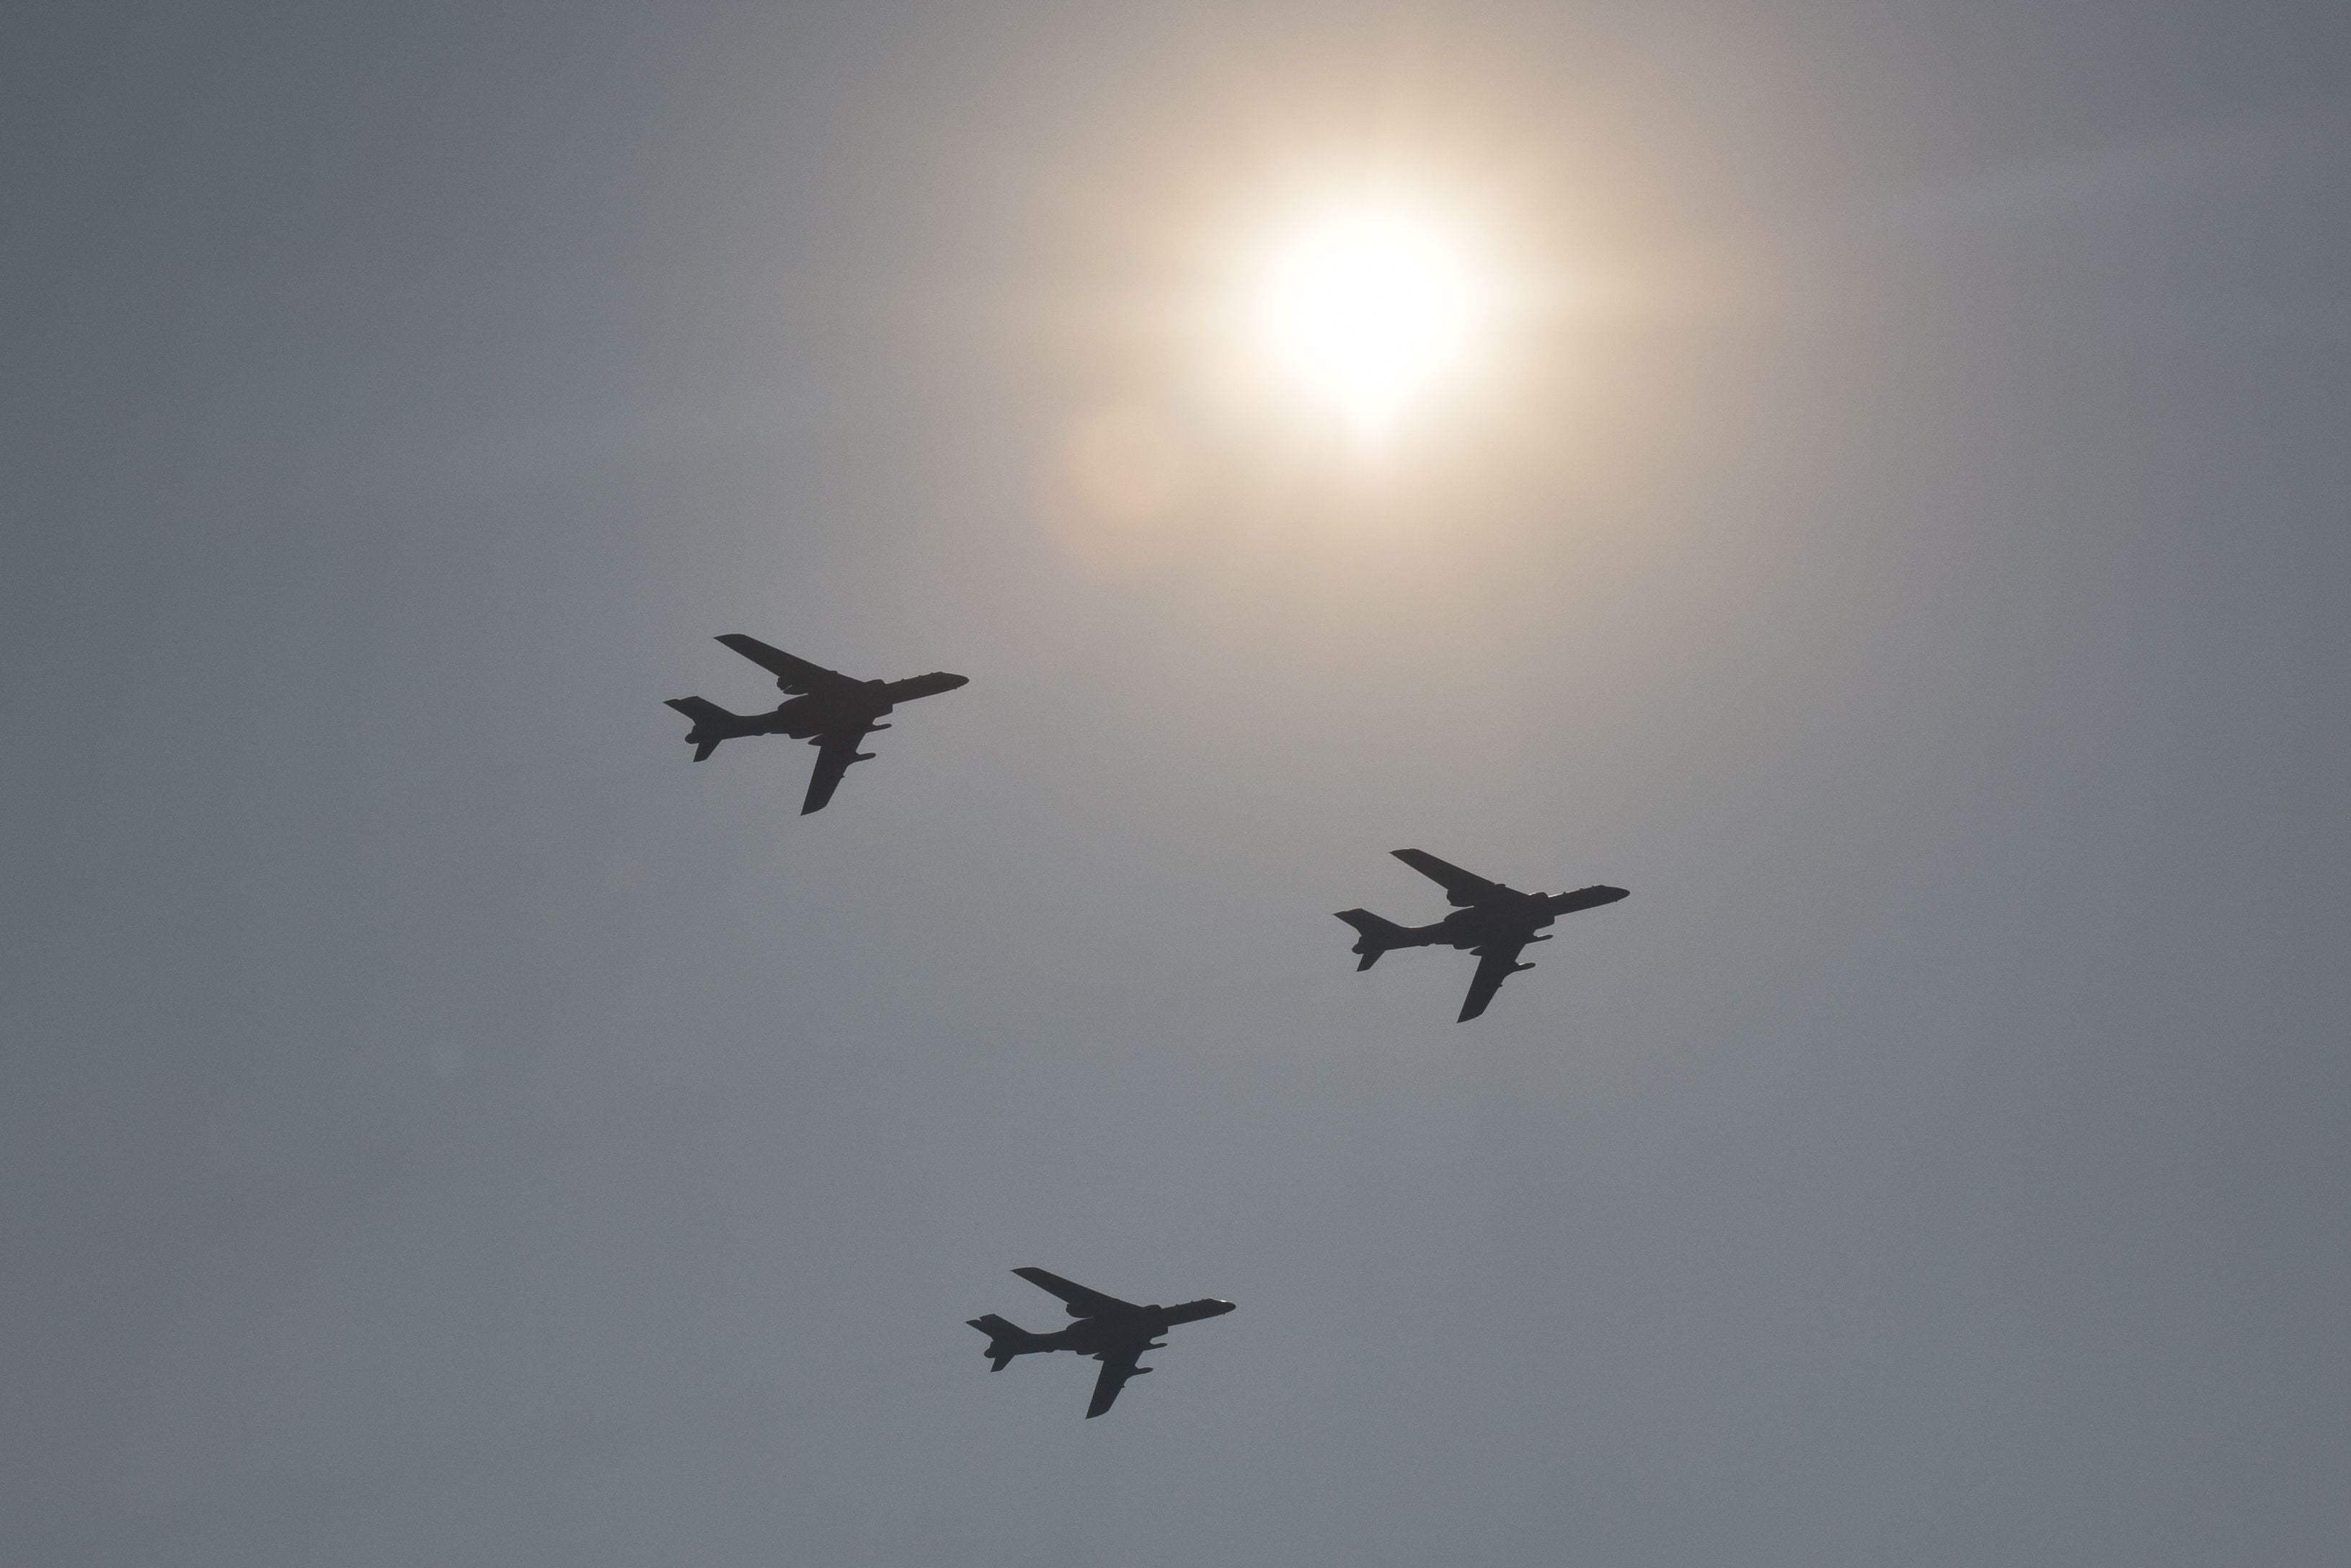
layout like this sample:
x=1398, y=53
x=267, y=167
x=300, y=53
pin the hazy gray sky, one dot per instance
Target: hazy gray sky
x=444, y=1125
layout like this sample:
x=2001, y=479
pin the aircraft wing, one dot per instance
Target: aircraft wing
x=834, y=753
x=1082, y=1302
x=1460, y=886
x=1117, y=1367
x=796, y=675
x=1495, y=963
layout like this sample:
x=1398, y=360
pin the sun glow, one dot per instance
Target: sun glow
x=1370, y=307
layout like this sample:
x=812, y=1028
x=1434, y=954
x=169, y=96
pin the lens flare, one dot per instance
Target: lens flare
x=1369, y=306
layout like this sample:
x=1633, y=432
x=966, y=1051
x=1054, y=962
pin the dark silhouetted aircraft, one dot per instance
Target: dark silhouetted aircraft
x=1112, y=1331
x=827, y=709
x=1492, y=921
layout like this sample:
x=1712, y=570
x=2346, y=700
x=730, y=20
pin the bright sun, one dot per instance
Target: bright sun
x=1370, y=306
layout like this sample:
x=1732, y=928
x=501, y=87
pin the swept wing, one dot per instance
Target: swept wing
x=1495, y=963
x=834, y=753
x=796, y=675
x=1460, y=886
x=1082, y=1302
x=1117, y=1367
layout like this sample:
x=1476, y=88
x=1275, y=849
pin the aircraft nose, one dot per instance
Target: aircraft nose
x=1616, y=892
x=1221, y=1308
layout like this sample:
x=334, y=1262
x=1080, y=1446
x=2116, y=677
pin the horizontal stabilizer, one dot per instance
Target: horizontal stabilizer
x=1374, y=935
x=1005, y=1339
x=712, y=723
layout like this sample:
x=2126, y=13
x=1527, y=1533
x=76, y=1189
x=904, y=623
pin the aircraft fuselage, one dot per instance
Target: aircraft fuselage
x=856, y=707
x=806, y=717
x=1095, y=1336
x=1126, y=1331
x=1507, y=917
x=1482, y=924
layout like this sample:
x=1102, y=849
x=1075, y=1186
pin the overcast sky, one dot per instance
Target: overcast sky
x=442, y=1125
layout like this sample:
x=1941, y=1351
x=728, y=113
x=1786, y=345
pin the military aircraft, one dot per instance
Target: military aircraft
x=1494, y=922
x=830, y=711
x=1112, y=1331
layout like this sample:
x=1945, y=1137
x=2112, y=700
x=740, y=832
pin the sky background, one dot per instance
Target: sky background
x=441, y=1124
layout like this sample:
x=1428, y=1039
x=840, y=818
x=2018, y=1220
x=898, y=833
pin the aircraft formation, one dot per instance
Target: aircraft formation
x=835, y=713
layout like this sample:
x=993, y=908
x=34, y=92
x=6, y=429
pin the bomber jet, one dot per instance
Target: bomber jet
x=1112, y=1331
x=830, y=711
x=1494, y=922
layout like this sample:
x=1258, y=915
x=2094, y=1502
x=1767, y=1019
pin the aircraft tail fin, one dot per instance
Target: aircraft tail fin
x=712, y=723
x=1374, y=936
x=1005, y=1339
